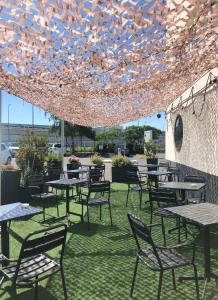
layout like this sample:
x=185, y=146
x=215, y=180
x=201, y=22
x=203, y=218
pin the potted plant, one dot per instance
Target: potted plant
x=150, y=153
x=10, y=184
x=31, y=155
x=54, y=166
x=120, y=165
x=97, y=159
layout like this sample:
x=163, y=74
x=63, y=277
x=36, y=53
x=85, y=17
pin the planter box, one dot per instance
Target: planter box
x=119, y=174
x=10, y=187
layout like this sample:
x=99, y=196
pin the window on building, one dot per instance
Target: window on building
x=178, y=132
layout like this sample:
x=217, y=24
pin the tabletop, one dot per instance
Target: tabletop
x=16, y=210
x=147, y=166
x=66, y=182
x=78, y=171
x=181, y=185
x=204, y=214
x=156, y=173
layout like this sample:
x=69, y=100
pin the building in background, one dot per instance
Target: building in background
x=192, y=132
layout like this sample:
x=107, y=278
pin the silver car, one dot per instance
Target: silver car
x=5, y=154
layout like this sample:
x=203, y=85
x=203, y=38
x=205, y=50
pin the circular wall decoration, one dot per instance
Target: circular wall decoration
x=178, y=132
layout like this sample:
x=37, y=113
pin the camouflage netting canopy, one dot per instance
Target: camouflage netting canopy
x=105, y=62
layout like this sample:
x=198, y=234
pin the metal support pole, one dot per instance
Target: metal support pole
x=62, y=142
x=0, y=138
x=9, y=105
x=32, y=117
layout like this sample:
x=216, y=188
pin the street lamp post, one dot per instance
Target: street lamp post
x=9, y=105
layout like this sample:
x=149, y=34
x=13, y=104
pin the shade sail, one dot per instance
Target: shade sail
x=105, y=62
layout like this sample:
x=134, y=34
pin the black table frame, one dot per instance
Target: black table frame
x=208, y=274
x=66, y=184
x=5, y=245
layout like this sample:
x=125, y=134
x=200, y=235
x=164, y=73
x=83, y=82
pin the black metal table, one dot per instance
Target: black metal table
x=155, y=174
x=11, y=212
x=182, y=186
x=205, y=215
x=65, y=184
x=78, y=171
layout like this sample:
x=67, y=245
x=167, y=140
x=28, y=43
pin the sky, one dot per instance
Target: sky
x=20, y=112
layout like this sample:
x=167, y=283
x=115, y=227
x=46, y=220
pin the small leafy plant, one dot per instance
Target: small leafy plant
x=96, y=159
x=150, y=150
x=121, y=161
x=54, y=160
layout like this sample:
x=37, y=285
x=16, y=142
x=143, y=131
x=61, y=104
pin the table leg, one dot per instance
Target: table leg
x=67, y=200
x=206, y=233
x=5, y=239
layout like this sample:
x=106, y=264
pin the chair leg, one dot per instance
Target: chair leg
x=100, y=211
x=43, y=211
x=196, y=281
x=88, y=215
x=36, y=290
x=160, y=285
x=140, y=199
x=58, y=208
x=134, y=276
x=127, y=197
x=174, y=280
x=14, y=292
x=63, y=283
x=110, y=212
x=163, y=230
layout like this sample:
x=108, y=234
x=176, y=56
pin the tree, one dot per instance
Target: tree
x=134, y=136
x=72, y=130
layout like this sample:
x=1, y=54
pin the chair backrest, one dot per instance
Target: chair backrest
x=54, y=173
x=99, y=187
x=72, y=167
x=164, y=164
x=194, y=178
x=141, y=231
x=162, y=196
x=132, y=175
x=95, y=174
x=35, y=180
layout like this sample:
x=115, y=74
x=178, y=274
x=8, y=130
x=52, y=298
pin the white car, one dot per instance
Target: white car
x=13, y=147
x=55, y=148
x=5, y=154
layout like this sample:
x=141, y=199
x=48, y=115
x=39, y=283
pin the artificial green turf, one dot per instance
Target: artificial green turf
x=99, y=262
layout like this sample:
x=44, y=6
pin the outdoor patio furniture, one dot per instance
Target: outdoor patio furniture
x=66, y=184
x=34, y=264
x=196, y=198
x=182, y=187
x=95, y=174
x=153, y=176
x=71, y=175
x=101, y=190
x=36, y=187
x=175, y=172
x=157, y=258
x=11, y=212
x=163, y=198
x=204, y=215
x=135, y=183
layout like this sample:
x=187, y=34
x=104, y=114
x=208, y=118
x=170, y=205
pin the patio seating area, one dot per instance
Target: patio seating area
x=99, y=261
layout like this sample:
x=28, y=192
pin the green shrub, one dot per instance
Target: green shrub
x=54, y=160
x=150, y=150
x=31, y=155
x=96, y=159
x=121, y=161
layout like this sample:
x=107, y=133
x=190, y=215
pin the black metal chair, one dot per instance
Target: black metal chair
x=34, y=264
x=72, y=167
x=95, y=174
x=175, y=173
x=36, y=192
x=195, y=197
x=157, y=258
x=163, y=198
x=101, y=190
x=135, y=183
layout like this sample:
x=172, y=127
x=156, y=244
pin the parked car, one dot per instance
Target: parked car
x=13, y=147
x=56, y=148
x=5, y=154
